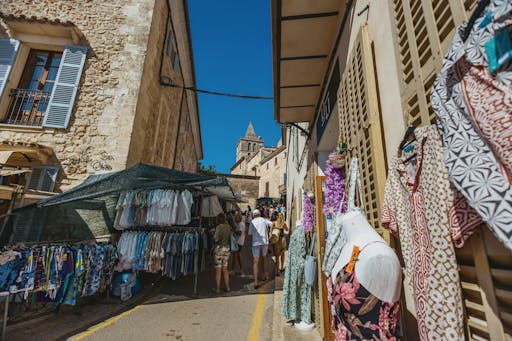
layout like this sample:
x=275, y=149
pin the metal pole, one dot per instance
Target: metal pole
x=6, y=313
x=196, y=265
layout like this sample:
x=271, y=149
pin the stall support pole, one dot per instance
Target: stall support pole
x=196, y=265
x=6, y=314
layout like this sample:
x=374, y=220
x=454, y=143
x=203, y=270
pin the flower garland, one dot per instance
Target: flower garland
x=334, y=188
x=308, y=213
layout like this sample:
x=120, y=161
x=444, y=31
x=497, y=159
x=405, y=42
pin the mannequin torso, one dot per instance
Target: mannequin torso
x=377, y=267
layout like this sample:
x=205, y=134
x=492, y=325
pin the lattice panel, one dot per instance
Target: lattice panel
x=424, y=30
x=360, y=124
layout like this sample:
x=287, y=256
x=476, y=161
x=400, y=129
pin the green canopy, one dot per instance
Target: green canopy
x=142, y=176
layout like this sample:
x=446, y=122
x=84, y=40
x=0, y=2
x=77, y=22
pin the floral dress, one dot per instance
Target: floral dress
x=296, y=303
x=358, y=315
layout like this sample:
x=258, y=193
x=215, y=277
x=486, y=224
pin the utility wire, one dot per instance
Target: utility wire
x=165, y=81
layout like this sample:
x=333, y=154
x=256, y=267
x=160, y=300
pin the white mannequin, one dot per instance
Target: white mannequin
x=377, y=267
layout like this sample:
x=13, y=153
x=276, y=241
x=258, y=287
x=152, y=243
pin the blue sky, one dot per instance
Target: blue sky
x=232, y=53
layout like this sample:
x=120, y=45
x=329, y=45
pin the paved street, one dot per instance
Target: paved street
x=175, y=314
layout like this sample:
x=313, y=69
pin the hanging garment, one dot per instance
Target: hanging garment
x=210, y=207
x=357, y=314
x=425, y=212
x=296, y=303
x=185, y=200
x=473, y=110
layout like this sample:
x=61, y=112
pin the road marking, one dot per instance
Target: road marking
x=254, y=333
x=103, y=325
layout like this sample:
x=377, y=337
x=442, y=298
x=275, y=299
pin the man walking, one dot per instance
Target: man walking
x=259, y=229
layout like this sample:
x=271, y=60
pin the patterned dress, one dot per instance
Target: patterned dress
x=296, y=304
x=473, y=110
x=426, y=213
x=358, y=315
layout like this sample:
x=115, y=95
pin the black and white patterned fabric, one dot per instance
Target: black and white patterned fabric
x=471, y=162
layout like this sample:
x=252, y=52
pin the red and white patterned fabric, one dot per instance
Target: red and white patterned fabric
x=427, y=213
x=474, y=117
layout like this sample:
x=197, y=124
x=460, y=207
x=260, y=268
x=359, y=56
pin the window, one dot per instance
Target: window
x=172, y=51
x=46, y=92
x=187, y=122
x=29, y=101
x=267, y=189
x=267, y=165
x=43, y=178
x=275, y=161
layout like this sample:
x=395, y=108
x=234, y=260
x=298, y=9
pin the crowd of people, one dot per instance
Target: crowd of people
x=267, y=227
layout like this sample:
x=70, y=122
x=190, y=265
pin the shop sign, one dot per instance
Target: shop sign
x=328, y=102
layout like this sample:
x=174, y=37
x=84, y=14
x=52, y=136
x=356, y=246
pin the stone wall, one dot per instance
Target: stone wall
x=98, y=135
x=272, y=171
x=121, y=115
x=246, y=186
x=157, y=119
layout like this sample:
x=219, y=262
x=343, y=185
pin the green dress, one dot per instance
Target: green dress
x=296, y=292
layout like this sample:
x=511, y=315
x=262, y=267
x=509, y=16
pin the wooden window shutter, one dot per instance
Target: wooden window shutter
x=423, y=32
x=64, y=91
x=35, y=178
x=360, y=125
x=43, y=178
x=8, y=50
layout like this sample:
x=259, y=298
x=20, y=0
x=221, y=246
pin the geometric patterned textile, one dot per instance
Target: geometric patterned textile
x=474, y=117
x=426, y=213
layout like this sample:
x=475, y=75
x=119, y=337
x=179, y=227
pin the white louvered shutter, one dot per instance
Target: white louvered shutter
x=64, y=91
x=8, y=50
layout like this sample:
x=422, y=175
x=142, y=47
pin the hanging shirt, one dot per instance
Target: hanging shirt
x=473, y=110
x=210, y=207
x=425, y=212
x=184, y=212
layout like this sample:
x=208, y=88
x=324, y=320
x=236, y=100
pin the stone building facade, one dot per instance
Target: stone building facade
x=267, y=163
x=96, y=86
x=272, y=172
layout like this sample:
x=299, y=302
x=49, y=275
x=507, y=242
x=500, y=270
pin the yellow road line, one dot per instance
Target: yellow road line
x=254, y=333
x=104, y=324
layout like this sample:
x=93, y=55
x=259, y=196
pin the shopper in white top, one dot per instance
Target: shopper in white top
x=240, y=240
x=259, y=230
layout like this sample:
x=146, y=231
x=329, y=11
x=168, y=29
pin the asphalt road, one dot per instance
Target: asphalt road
x=176, y=314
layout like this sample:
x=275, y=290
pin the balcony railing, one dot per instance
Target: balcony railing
x=26, y=107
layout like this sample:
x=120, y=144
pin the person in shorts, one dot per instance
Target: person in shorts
x=222, y=238
x=259, y=230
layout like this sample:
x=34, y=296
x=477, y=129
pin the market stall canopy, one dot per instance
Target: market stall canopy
x=304, y=34
x=143, y=176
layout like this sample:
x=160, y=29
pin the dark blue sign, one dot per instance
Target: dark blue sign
x=328, y=102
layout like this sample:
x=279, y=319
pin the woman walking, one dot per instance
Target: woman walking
x=221, y=253
x=240, y=240
x=280, y=245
